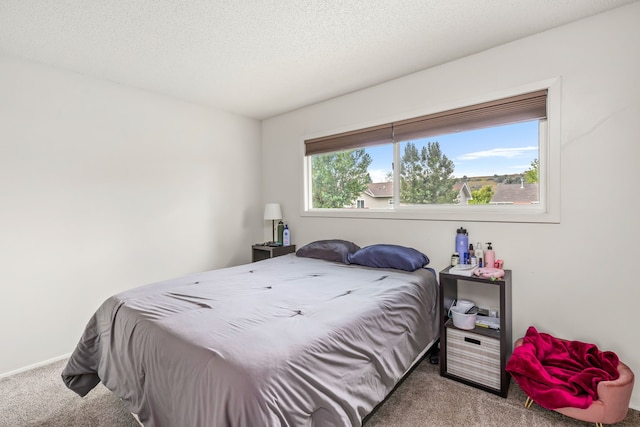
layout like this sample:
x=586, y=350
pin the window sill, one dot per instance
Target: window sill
x=444, y=213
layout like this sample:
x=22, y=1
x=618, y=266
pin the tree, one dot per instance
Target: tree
x=482, y=196
x=426, y=176
x=511, y=179
x=531, y=175
x=339, y=178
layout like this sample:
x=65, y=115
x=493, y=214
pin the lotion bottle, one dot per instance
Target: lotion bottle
x=489, y=256
x=286, y=237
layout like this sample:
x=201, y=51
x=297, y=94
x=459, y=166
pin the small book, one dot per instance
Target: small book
x=463, y=269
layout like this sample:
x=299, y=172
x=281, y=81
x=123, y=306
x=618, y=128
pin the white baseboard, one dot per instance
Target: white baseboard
x=35, y=365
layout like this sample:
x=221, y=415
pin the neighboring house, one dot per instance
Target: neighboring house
x=379, y=195
x=464, y=193
x=516, y=194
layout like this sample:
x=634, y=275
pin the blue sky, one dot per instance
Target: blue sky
x=497, y=150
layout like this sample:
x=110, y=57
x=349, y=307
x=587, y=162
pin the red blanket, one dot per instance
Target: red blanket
x=557, y=373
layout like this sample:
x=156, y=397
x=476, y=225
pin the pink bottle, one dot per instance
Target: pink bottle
x=489, y=256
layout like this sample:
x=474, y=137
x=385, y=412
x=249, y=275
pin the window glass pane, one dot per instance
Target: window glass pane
x=352, y=179
x=496, y=165
x=491, y=166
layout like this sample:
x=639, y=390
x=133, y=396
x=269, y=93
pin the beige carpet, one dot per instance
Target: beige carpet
x=39, y=398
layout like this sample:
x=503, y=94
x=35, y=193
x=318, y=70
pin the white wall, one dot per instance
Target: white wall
x=576, y=279
x=103, y=188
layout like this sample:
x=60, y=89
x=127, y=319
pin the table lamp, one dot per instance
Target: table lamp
x=272, y=212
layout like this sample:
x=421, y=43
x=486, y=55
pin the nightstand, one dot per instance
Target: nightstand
x=476, y=357
x=260, y=252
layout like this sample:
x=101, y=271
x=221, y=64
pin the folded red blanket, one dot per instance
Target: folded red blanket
x=557, y=373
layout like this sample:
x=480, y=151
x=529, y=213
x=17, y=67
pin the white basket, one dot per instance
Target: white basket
x=462, y=320
x=465, y=304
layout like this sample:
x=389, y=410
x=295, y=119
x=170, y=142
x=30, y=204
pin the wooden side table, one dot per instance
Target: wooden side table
x=260, y=252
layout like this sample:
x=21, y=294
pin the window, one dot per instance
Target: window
x=488, y=161
x=494, y=165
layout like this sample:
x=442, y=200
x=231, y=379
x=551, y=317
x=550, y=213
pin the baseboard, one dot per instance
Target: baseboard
x=35, y=365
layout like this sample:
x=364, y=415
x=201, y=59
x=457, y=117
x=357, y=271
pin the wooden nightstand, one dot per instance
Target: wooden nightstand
x=260, y=252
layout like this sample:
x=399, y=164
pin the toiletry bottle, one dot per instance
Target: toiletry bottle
x=286, y=237
x=489, y=256
x=462, y=244
x=455, y=259
x=472, y=252
x=280, y=231
x=479, y=254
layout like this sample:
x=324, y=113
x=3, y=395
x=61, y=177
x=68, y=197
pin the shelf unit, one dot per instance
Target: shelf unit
x=478, y=356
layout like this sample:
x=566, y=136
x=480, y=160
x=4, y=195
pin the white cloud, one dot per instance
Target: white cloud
x=507, y=153
x=378, y=175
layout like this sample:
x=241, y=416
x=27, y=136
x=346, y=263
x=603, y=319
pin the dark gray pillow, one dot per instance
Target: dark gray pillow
x=330, y=250
x=390, y=256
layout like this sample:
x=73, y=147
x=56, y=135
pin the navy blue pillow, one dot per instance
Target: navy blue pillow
x=330, y=250
x=390, y=256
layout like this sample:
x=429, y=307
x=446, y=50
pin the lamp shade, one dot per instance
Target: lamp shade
x=272, y=211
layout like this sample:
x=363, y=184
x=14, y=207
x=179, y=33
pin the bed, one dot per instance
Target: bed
x=288, y=341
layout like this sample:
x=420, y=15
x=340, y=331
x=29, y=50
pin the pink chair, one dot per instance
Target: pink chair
x=612, y=405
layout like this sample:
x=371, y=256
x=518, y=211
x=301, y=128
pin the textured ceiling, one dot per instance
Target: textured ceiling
x=263, y=58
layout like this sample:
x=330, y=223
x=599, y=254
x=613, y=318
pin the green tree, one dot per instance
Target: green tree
x=531, y=175
x=511, y=179
x=338, y=178
x=426, y=176
x=482, y=196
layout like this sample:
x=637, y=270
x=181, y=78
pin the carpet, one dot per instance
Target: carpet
x=39, y=398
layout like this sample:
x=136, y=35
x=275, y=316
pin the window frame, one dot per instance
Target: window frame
x=548, y=211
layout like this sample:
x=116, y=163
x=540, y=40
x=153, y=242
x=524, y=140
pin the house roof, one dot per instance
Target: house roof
x=380, y=189
x=462, y=186
x=516, y=194
x=385, y=189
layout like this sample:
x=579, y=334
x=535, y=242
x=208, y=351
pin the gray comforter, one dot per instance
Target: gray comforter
x=287, y=341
